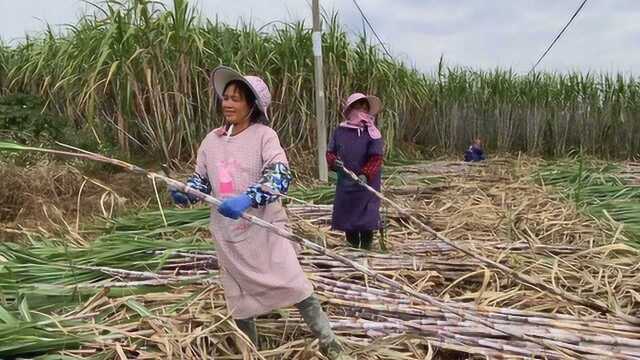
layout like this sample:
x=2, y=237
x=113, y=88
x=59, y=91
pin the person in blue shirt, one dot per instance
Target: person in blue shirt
x=475, y=152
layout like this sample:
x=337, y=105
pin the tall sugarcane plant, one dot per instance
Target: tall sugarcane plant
x=135, y=73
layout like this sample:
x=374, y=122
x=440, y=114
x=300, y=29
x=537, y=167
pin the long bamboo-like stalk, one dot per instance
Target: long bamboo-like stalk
x=292, y=237
x=521, y=278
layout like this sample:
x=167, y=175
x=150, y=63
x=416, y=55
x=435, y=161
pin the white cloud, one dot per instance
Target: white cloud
x=506, y=33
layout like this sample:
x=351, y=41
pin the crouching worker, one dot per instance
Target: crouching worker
x=356, y=144
x=243, y=164
x=475, y=152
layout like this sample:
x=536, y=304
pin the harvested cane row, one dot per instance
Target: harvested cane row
x=495, y=210
x=367, y=310
x=519, y=224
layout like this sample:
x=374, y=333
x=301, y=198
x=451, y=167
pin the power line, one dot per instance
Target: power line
x=558, y=36
x=371, y=27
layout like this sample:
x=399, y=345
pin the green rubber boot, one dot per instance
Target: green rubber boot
x=248, y=327
x=318, y=322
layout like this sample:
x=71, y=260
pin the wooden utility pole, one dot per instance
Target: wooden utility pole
x=321, y=127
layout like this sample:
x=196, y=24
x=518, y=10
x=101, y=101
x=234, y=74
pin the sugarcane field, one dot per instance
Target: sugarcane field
x=319, y=180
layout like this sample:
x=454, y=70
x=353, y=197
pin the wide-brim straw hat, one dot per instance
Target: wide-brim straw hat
x=375, y=105
x=222, y=75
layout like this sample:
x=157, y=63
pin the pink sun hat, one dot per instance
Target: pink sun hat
x=222, y=75
x=375, y=105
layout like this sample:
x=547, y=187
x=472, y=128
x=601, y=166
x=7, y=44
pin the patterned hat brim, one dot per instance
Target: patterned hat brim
x=375, y=104
x=222, y=75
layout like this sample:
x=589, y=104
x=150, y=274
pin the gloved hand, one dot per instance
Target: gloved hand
x=340, y=174
x=363, y=178
x=194, y=181
x=233, y=207
x=179, y=197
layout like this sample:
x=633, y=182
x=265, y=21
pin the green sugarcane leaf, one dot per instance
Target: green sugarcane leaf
x=9, y=146
x=24, y=309
x=139, y=308
x=6, y=317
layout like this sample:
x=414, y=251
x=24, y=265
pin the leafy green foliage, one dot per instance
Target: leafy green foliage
x=23, y=118
x=137, y=75
x=596, y=188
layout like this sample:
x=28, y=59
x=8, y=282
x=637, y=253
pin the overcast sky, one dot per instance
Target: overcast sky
x=475, y=33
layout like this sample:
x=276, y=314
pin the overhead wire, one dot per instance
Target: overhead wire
x=366, y=20
x=555, y=40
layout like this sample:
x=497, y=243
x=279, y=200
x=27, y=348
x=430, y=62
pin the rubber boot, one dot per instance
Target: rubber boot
x=366, y=239
x=353, y=238
x=248, y=327
x=334, y=351
x=318, y=322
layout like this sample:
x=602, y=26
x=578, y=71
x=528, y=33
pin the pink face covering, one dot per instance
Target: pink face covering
x=359, y=118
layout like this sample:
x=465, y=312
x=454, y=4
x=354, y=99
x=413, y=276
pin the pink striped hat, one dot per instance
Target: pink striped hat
x=375, y=105
x=222, y=75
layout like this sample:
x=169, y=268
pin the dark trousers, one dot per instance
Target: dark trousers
x=360, y=239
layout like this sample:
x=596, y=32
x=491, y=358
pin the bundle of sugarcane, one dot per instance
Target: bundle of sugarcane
x=454, y=275
x=375, y=311
x=370, y=309
x=465, y=279
x=401, y=266
x=175, y=261
x=134, y=264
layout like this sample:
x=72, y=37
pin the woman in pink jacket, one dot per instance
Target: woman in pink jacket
x=243, y=164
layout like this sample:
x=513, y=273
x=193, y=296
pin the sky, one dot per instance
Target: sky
x=480, y=34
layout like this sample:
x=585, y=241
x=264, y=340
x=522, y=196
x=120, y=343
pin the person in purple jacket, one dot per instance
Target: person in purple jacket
x=475, y=152
x=356, y=144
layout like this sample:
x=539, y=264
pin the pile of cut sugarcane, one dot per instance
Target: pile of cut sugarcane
x=54, y=278
x=147, y=286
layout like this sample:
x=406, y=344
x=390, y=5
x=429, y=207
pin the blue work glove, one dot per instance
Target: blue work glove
x=234, y=207
x=179, y=197
x=194, y=181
